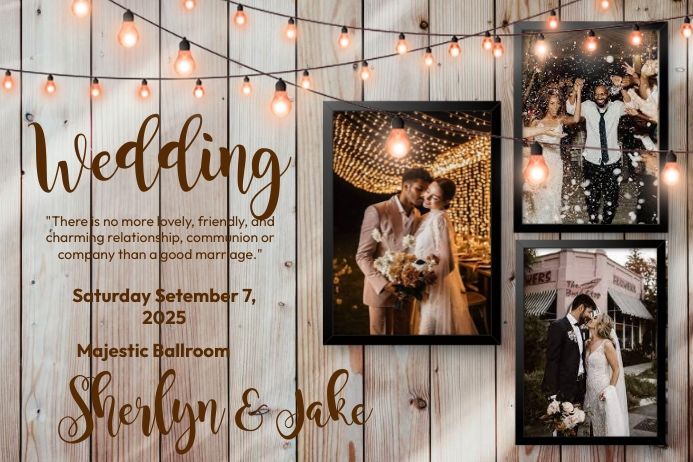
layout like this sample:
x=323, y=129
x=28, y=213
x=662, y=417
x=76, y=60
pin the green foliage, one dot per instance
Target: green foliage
x=637, y=389
x=535, y=402
x=535, y=331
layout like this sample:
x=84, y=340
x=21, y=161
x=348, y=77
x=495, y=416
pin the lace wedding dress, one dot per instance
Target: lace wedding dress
x=445, y=310
x=544, y=202
x=610, y=416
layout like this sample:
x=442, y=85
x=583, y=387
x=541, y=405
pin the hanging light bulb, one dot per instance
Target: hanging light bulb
x=246, y=86
x=240, y=18
x=344, y=39
x=429, y=60
x=540, y=47
x=454, y=49
x=184, y=63
x=50, y=86
x=281, y=104
x=365, y=71
x=143, y=91
x=291, y=31
x=199, y=90
x=498, y=48
x=604, y=4
x=95, y=88
x=128, y=36
x=591, y=42
x=635, y=36
x=189, y=4
x=487, y=41
x=536, y=171
x=397, y=141
x=552, y=21
x=671, y=173
x=80, y=8
x=686, y=30
x=306, y=81
x=402, y=46
x=8, y=81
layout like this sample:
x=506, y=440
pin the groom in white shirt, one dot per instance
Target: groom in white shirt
x=602, y=154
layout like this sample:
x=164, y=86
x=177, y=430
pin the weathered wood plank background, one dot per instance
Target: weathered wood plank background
x=429, y=403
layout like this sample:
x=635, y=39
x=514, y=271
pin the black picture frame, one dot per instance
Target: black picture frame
x=661, y=319
x=663, y=137
x=494, y=321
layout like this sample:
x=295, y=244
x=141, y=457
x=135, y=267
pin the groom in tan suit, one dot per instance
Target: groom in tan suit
x=392, y=220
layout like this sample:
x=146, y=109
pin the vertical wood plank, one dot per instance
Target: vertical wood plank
x=51, y=324
x=397, y=378
x=206, y=326
x=677, y=384
x=10, y=234
x=510, y=11
x=263, y=337
x=463, y=419
x=315, y=361
x=116, y=118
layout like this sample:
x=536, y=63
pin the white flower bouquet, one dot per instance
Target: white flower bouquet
x=564, y=417
x=410, y=275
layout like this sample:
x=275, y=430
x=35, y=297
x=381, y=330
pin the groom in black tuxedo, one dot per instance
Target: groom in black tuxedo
x=564, y=374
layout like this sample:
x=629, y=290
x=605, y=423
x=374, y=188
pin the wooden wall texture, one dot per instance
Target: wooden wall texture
x=429, y=403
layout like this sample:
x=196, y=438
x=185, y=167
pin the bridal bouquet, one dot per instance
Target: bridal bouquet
x=564, y=417
x=410, y=275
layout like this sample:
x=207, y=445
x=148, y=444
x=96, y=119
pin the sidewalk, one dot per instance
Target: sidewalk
x=636, y=369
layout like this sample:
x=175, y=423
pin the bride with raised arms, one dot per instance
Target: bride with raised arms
x=445, y=310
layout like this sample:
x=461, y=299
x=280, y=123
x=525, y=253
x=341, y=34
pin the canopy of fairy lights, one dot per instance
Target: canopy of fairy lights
x=447, y=144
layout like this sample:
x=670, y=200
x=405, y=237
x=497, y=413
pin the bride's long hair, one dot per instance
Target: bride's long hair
x=604, y=327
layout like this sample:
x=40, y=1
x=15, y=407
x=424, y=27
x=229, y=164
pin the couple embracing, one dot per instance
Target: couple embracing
x=444, y=310
x=588, y=372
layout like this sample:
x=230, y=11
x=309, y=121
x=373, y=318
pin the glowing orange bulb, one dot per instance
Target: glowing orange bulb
x=128, y=36
x=281, y=104
x=636, y=36
x=591, y=42
x=397, y=141
x=540, y=47
x=246, y=86
x=429, y=60
x=402, y=46
x=454, y=49
x=686, y=30
x=552, y=21
x=80, y=8
x=306, y=81
x=291, y=31
x=185, y=63
x=189, y=4
x=199, y=90
x=487, y=42
x=536, y=171
x=498, y=48
x=143, y=91
x=604, y=4
x=671, y=173
x=344, y=40
x=95, y=88
x=8, y=81
x=240, y=18
x=50, y=87
x=365, y=71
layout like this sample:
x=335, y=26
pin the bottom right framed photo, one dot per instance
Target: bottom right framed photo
x=591, y=342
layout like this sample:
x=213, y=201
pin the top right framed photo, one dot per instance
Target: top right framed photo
x=591, y=107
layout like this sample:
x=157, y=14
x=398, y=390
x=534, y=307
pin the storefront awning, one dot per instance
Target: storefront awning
x=629, y=304
x=538, y=303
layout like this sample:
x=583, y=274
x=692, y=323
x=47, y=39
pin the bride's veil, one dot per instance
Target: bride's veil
x=617, y=416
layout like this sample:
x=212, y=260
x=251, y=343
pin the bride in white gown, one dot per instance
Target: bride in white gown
x=542, y=203
x=605, y=397
x=444, y=311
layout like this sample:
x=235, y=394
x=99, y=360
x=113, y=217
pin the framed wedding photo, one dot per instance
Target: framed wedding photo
x=591, y=342
x=591, y=109
x=411, y=221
